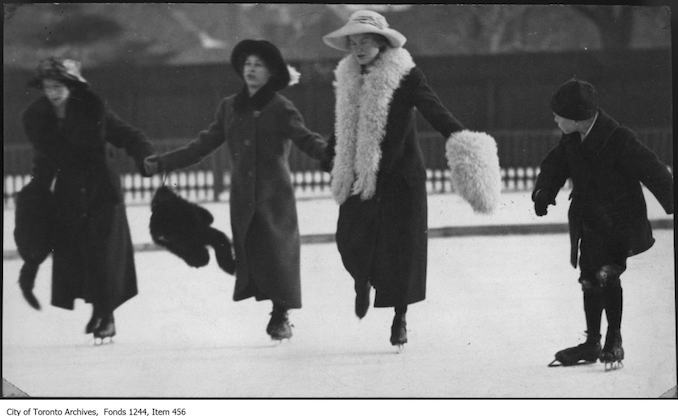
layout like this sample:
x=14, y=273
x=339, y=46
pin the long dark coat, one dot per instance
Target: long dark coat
x=259, y=134
x=385, y=238
x=93, y=256
x=607, y=169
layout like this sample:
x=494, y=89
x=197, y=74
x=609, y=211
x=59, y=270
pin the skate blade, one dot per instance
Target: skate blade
x=613, y=365
x=556, y=363
x=102, y=341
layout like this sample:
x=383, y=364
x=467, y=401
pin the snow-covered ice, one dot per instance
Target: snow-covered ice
x=497, y=310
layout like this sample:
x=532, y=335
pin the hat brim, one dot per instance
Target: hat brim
x=337, y=39
x=72, y=81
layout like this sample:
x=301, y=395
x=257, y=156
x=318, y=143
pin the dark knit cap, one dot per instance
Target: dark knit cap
x=269, y=53
x=575, y=100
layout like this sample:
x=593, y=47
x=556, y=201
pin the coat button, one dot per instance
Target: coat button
x=250, y=174
x=247, y=142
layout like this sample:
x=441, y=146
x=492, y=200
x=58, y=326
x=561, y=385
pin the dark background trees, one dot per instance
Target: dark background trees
x=190, y=33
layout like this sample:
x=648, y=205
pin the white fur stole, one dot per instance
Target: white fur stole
x=362, y=106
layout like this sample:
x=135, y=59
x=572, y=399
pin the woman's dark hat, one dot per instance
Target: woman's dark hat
x=575, y=100
x=63, y=70
x=269, y=53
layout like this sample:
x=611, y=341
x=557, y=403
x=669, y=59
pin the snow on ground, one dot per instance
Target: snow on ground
x=497, y=310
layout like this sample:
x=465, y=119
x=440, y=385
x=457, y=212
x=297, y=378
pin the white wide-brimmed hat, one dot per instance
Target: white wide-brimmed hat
x=364, y=21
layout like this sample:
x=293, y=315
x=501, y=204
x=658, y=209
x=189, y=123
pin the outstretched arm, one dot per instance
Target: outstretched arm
x=431, y=108
x=313, y=144
x=643, y=164
x=327, y=162
x=133, y=140
x=207, y=142
x=553, y=172
x=471, y=155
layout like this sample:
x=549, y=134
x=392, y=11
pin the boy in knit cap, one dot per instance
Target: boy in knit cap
x=607, y=216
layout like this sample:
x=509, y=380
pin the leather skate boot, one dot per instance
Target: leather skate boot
x=588, y=352
x=399, y=330
x=279, y=327
x=362, y=297
x=93, y=322
x=27, y=281
x=613, y=352
x=105, y=329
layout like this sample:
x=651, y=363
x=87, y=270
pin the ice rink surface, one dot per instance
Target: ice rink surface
x=497, y=309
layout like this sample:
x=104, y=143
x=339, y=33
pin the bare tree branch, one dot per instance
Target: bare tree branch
x=614, y=24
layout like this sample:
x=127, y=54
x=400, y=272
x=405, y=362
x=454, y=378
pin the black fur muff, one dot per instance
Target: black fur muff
x=33, y=234
x=184, y=228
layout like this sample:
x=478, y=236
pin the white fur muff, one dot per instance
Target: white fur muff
x=474, y=169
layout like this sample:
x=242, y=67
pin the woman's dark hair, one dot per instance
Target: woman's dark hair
x=380, y=39
x=70, y=84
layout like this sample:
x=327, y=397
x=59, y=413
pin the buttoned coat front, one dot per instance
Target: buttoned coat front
x=262, y=203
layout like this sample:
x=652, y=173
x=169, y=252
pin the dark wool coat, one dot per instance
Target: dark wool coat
x=607, y=169
x=384, y=238
x=93, y=254
x=259, y=134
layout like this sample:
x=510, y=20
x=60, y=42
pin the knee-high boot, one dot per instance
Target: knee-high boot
x=613, y=351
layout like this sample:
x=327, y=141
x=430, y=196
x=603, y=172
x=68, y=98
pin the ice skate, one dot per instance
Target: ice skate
x=613, y=353
x=279, y=327
x=362, y=297
x=93, y=323
x=399, y=332
x=26, y=283
x=105, y=331
x=585, y=353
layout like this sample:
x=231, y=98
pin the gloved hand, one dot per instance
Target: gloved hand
x=152, y=165
x=541, y=202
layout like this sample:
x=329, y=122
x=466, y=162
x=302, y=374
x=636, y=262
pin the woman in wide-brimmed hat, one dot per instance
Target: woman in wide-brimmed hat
x=70, y=128
x=259, y=125
x=378, y=174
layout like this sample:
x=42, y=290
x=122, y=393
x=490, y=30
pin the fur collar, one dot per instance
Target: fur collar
x=362, y=106
x=244, y=102
x=85, y=113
